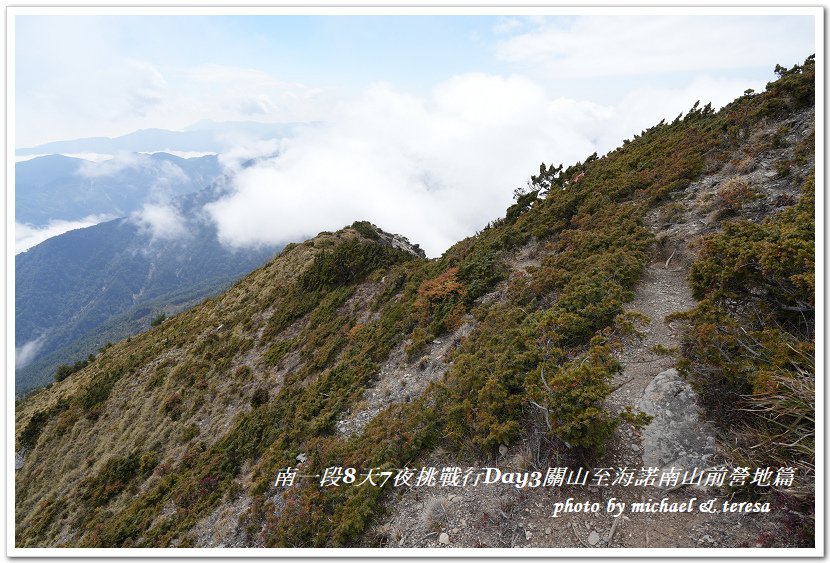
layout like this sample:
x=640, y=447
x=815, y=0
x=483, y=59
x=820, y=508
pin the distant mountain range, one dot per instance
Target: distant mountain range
x=76, y=291
x=56, y=187
x=79, y=290
x=204, y=136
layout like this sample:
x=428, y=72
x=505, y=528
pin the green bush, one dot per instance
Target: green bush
x=750, y=346
x=65, y=370
x=350, y=262
x=33, y=428
x=571, y=397
x=277, y=351
x=260, y=397
x=366, y=229
x=116, y=475
x=99, y=389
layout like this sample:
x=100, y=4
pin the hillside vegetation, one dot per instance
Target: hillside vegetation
x=166, y=429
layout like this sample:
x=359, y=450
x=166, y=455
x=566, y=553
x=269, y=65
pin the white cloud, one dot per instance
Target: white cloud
x=74, y=98
x=145, y=85
x=255, y=105
x=633, y=45
x=229, y=93
x=434, y=169
x=26, y=236
x=644, y=107
x=605, y=126
x=108, y=167
x=244, y=150
x=162, y=222
x=24, y=354
x=76, y=95
x=184, y=154
x=507, y=25
x=164, y=173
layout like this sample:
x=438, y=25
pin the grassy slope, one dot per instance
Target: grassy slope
x=160, y=429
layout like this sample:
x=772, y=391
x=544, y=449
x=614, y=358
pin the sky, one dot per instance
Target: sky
x=423, y=125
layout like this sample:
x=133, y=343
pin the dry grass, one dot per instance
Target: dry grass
x=73, y=446
x=788, y=411
x=745, y=165
x=435, y=513
x=736, y=192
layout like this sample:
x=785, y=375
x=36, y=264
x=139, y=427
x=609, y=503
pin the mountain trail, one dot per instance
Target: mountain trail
x=506, y=516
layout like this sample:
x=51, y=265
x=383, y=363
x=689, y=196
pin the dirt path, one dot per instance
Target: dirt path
x=661, y=291
x=504, y=516
x=678, y=436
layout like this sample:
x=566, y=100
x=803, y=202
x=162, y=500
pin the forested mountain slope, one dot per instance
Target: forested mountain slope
x=58, y=187
x=77, y=291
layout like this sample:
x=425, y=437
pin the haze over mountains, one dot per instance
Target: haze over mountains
x=131, y=238
x=71, y=184
x=203, y=136
x=55, y=186
x=84, y=288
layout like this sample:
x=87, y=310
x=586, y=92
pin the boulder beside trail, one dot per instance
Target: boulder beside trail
x=676, y=436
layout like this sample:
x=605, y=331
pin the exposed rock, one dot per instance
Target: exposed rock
x=676, y=436
x=593, y=538
x=401, y=380
x=444, y=538
x=400, y=242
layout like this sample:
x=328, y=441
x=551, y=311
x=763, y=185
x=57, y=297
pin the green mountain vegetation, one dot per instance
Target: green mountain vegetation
x=199, y=413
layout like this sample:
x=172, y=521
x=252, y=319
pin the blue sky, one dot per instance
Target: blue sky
x=70, y=67
x=338, y=54
x=425, y=124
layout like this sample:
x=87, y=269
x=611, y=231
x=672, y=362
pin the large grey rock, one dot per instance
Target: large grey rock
x=399, y=242
x=677, y=436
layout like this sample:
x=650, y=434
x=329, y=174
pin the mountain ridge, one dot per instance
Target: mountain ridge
x=206, y=139
x=58, y=187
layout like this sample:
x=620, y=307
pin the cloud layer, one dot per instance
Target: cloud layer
x=72, y=98
x=161, y=222
x=435, y=157
x=26, y=236
x=435, y=168
x=27, y=352
x=637, y=45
